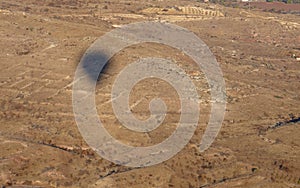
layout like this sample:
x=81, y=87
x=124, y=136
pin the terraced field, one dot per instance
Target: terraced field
x=187, y=11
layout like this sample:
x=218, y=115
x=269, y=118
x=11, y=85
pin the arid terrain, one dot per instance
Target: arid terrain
x=42, y=43
x=277, y=6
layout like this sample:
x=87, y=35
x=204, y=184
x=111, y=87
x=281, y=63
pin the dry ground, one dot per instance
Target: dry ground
x=277, y=6
x=42, y=43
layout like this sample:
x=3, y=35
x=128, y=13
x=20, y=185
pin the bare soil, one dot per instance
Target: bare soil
x=42, y=43
x=276, y=6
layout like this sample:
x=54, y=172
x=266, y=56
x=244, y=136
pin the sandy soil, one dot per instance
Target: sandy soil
x=42, y=43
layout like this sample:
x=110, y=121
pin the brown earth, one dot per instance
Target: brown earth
x=276, y=6
x=42, y=43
